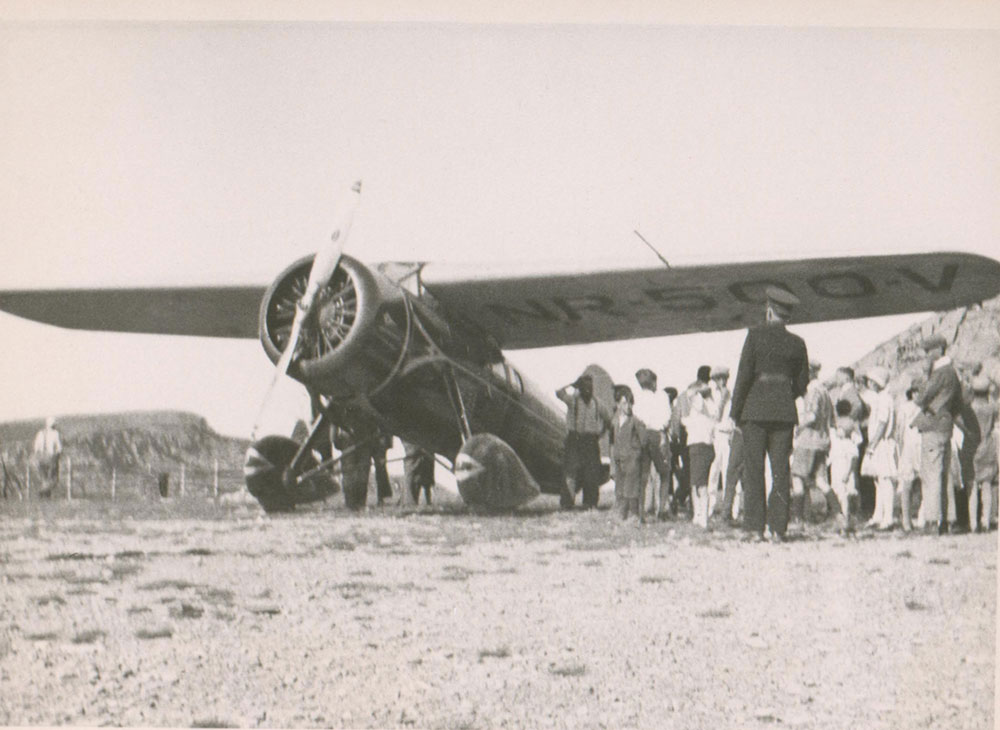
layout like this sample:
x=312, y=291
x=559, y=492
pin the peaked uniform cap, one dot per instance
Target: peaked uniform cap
x=781, y=300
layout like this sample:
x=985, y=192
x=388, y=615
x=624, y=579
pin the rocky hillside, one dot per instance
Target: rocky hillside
x=973, y=334
x=136, y=446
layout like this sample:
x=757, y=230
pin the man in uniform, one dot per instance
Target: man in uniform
x=940, y=401
x=773, y=372
x=652, y=407
x=586, y=420
x=46, y=452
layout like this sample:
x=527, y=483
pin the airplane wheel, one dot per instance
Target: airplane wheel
x=266, y=461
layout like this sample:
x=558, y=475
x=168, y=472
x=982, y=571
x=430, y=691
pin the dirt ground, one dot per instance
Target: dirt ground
x=182, y=613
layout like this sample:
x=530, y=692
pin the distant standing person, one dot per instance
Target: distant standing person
x=628, y=433
x=652, y=407
x=908, y=438
x=700, y=423
x=722, y=398
x=881, y=459
x=986, y=455
x=586, y=420
x=773, y=372
x=418, y=471
x=812, y=447
x=940, y=402
x=46, y=453
x=679, y=434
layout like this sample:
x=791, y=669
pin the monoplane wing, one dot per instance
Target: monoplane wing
x=549, y=310
x=225, y=311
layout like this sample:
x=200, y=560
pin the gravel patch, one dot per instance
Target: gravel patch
x=444, y=618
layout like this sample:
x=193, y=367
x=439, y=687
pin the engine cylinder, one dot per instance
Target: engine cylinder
x=352, y=339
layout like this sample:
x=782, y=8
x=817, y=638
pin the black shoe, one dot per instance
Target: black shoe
x=960, y=529
x=942, y=528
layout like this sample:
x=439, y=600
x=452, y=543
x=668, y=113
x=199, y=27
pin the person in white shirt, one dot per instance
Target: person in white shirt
x=723, y=435
x=881, y=455
x=46, y=452
x=652, y=407
x=700, y=424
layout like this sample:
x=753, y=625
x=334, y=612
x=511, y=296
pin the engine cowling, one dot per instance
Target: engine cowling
x=354, y=335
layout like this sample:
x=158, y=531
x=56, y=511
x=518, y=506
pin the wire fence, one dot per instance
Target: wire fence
x=22, y=479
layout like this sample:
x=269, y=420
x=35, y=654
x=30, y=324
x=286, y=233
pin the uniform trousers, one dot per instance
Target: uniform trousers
x=773, y=438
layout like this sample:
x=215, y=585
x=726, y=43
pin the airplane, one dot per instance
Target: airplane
x=388, y=347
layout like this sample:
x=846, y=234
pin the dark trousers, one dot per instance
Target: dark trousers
x=383, y=487
x=774, y=439
x=582, y=466
x=681, y=457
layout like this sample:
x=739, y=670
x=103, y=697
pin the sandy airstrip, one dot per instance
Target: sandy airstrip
x=182, y=613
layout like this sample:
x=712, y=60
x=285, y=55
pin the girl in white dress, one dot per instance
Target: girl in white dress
x=881, y=458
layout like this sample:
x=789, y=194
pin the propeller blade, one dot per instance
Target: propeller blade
x=328, y=258
x=324, y=265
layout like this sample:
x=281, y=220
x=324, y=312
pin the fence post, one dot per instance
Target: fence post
x=69, y=479
x=215, y=482
x=182, y=480
x=114, y=480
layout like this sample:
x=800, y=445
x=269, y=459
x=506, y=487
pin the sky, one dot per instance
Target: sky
x=168, y=153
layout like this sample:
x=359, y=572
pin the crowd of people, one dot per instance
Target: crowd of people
x=929, y=437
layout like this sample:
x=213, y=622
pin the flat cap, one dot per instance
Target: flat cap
x=670, y=391
x=720, y=371
x=980, y=384
x=934, y=341
x=583, y=379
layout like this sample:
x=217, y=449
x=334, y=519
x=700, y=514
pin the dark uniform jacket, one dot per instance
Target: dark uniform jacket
x=940, y=401
x=773, y=372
